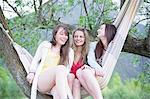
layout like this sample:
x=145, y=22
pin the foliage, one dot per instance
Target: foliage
x=24, y=32
x=28, y=40
x=54, y=10
x=8, y=87
x=143, y=17
x=95, y=18
x=144, y=77
x=136, y=60
x=131, y=89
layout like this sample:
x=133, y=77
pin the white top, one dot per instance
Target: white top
x=91, y=59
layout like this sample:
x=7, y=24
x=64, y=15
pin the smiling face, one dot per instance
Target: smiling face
x=61, y=36
x=79, y=38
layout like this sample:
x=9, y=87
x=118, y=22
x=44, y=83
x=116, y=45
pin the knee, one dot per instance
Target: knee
x=61, y=69
x=76, y=83
x=71, y=78
x=79, y=73
x=85, y=73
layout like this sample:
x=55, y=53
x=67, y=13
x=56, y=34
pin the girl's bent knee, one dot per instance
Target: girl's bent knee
x=76, y=83
x=71, y=77
x=62, y=69
x=79, y=73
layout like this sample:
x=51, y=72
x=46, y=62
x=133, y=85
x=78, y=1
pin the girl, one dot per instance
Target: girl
x=88, y=75
x=80, y=47
x=55, y=61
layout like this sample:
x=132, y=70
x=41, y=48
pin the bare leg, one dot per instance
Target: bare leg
x=80, y=78
x=92, y=83
x=54, y=76
x=54, y=93
x=76, y=89
x=71, y=78
x=70, y=81
x=62, y=83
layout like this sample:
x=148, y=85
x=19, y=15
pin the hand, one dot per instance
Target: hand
x=30, y=77
x=99, y=72
x=85, y=67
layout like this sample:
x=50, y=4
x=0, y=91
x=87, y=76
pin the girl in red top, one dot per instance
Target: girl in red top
x=80, y=46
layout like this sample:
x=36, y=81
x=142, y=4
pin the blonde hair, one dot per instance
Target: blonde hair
x=85, y=46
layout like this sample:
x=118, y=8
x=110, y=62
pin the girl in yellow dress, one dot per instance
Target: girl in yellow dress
x=56, y=58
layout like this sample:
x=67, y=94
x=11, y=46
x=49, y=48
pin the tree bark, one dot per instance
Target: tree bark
x=137, y=46
x=13, y=62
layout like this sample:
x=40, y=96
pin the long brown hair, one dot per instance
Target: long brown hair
x=110, y=31
x=85, y=46
x=64, y=51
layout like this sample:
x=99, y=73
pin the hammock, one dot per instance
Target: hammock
x=123, y=23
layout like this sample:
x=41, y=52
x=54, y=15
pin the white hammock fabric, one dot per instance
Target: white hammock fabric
x=115, y=47
x=123, y=23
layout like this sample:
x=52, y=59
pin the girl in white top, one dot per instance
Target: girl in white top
x=87, y=75
x=56, y=58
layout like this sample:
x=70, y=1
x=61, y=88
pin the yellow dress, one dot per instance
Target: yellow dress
x=51, y=60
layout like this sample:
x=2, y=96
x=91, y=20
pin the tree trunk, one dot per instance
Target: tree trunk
x=13, y=62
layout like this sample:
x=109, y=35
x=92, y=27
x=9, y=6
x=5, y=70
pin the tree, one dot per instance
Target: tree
x=139, y=45
x=13, y=63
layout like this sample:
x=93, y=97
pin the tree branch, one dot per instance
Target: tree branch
x=145, y=14
x=146, y=1
x=140, y=21
x=137, y=46
x=50, y=12
x=49, y=1
x=86, y=12
x=14, y=8
x=121, y=3
x=40, y=18
x=100, y=15
x=34, y=4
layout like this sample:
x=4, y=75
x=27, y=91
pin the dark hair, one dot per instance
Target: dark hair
x=85, y=47
x=64, y=51
x=110, y=31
